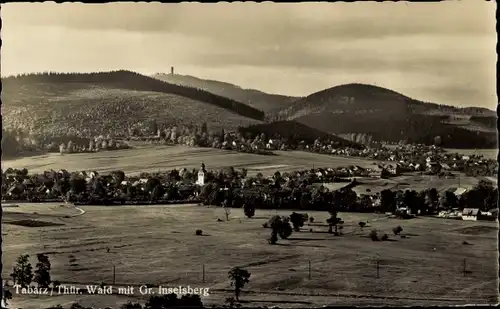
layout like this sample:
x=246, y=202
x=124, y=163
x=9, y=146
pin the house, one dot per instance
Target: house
x=16, y=188
x=445, y=167
x=433, y=167
x=403, y=211
x=470, y=214
x=459, y=191
x=491, y=213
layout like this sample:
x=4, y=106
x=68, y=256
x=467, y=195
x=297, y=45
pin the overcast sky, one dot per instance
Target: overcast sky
x=440, y=52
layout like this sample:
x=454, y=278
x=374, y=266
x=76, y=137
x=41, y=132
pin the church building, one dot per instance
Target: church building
x=202, y=175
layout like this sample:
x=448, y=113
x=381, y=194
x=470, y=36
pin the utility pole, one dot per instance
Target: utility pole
x=114, y=274
x=464, y=266
x=309, y=269
x=378, y=269
x=203, y=272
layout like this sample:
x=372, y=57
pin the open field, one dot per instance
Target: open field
x=155, y=158
x=157, y=245
x=487, y=153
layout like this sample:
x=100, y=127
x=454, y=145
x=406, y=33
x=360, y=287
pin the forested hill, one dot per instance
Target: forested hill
x=385, y=115
x=112, y=103
x=126, y=80
x=255, y=98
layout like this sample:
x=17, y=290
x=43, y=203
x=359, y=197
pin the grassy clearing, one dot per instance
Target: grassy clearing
x=487, y=153
x=155, y=158
x=158, y=245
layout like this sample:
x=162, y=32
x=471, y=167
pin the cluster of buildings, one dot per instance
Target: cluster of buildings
x=470, y=214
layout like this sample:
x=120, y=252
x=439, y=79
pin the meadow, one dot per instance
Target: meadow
x=157, y=245
x=159, y=158
x=487, y=153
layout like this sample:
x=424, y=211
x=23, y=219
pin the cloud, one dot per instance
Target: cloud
x=299, y=48
x=265, y=22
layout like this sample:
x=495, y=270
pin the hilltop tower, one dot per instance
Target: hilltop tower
x=171, y=70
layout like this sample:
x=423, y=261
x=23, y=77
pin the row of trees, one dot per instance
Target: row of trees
x=23, y=274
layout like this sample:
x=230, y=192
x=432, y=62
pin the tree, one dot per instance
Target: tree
x=249, y=209
x=397, y=230
x=78, y=184
x=432, y=200
x=387, y=201
x=118, y=176
x=450, y=200
x=333, y=221
x=437, y=140
x=279, y=226
x=239, y=277
x=297, y=221
x=7, y=295
x=273, y=239
x=130, y=305
x=361, y=225
x=70, y=147
x=23, y=271
x=204, y=127
x=286, y=229
x=42, y=272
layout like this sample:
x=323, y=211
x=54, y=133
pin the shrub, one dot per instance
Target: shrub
x=230, y=301
x=249, y=210
x=361, y=224
x=265, y=225
x=78, y=306
x=273, y=239
x=286, y=229
x=131, y=305
x=199, y=232
x=397, y=230
x=190, y=301
x=297, y=220
x=374, y=235
x=385, y=237
x=311, y=219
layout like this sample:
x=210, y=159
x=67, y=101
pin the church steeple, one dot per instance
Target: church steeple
x=202, y=175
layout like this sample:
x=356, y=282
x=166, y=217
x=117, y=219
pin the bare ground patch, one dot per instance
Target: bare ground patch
x=33, y=223
x=476, y=230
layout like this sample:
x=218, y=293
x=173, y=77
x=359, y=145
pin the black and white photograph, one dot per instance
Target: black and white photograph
x=249, y=155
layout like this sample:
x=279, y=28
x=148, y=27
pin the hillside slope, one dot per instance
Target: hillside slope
x=101, y=103
x=254, y=98
x=295, y=132
x=384, y=115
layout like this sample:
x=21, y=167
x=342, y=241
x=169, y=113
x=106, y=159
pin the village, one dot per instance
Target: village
x=383, y=188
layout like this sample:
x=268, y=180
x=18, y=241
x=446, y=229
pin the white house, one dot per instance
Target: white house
x=460, y=191
x=470, y=214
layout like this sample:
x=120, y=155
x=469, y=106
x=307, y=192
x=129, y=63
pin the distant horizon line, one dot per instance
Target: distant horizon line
x=149, y=74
